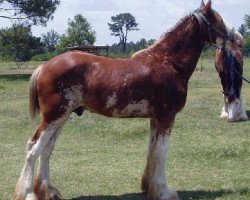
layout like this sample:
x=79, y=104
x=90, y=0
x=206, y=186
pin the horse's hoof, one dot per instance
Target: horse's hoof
x=243, y=118
x=223, y=115
x=166, y=194
x=170, y=195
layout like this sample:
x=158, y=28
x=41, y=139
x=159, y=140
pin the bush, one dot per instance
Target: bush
x=44, y=57
x=7, y=58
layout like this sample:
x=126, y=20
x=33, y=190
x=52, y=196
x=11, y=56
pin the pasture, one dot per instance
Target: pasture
x=100, y=158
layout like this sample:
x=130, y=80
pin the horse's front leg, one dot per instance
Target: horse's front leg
x=224, y=110
x=242, y=111
x=154, y=180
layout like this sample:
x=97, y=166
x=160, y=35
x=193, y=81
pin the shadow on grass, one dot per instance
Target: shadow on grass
x=184, y=195
x=14, y=77
x=201, y=194
x=248, y=114
x=132, y=196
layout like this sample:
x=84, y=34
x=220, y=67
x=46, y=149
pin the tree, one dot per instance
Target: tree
x=18, y=44
x=79, y=33
x=243, y=29
x=246, y=47
x=35, y=11
x=50, y=40
x=247, y=21
x=131, y=48
x=120, y=26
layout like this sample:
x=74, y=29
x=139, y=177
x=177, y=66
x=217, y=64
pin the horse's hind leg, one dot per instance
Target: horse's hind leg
x=35, y=146
x=43, y=187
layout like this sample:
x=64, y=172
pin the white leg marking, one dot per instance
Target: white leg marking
x=224, y=110
x=233, y=110
x=24, y=187
x=155, y=172
x=242, y=112
x=74, y=95
x=43, y=167
x=159, y=157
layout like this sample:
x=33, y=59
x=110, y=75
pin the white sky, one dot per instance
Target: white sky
x=153, y=16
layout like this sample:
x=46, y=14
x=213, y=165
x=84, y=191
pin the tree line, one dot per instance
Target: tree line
x=18, y=44
x=244, y=29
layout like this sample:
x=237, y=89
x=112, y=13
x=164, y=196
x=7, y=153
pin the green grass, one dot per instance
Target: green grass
x=99, y=158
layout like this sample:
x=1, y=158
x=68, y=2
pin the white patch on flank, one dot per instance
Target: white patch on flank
x=111, y=100
x=139, y=109
x=74, y=95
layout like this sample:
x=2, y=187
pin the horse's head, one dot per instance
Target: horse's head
x=228, y=63
x=233, y=67
x=238, y=38
x=214, y=28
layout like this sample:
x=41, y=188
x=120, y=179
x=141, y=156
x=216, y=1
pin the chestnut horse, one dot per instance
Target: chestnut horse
x=229, y=65
x=152, y=83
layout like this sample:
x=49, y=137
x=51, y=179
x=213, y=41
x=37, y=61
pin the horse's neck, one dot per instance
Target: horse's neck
x=182, y=47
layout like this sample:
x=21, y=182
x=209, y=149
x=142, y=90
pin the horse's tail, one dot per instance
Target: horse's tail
x=34, y=107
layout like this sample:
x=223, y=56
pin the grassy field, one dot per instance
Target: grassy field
x=99, y=158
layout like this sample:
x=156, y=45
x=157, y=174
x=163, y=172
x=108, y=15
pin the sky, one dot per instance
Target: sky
x=154, y=17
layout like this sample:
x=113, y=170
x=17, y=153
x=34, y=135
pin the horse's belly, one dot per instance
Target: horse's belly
x=129, y=110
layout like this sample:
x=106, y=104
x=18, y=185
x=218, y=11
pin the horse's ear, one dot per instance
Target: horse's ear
x=202, y=4
x=208, y=7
